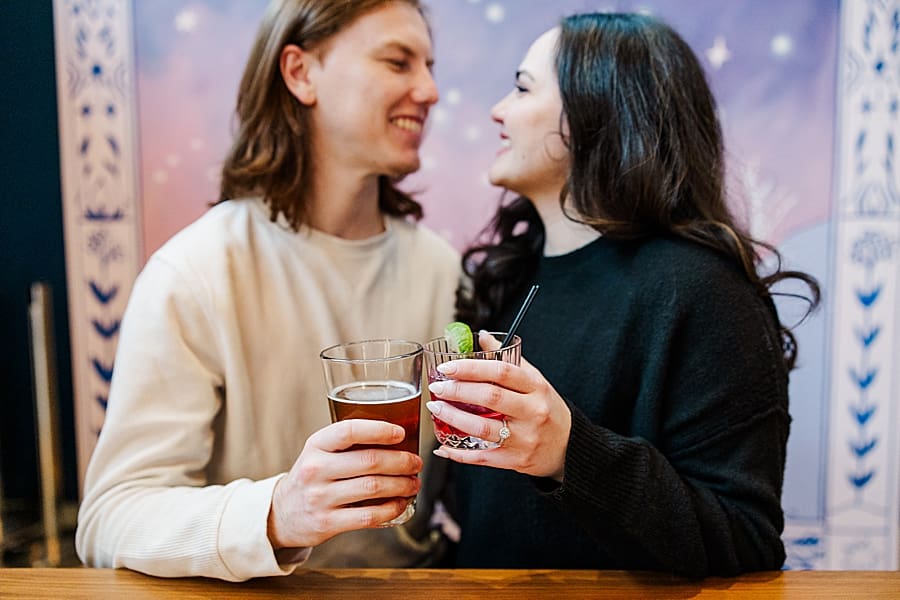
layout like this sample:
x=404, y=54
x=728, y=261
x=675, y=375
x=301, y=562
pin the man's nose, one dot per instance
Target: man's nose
x=425, y=89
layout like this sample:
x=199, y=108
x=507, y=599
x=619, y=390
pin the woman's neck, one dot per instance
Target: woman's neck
x=562, y=234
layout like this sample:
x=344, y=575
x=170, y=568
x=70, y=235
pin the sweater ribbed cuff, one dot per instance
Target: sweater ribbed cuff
x=243, y=541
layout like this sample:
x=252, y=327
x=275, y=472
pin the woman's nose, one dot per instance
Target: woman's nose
x=498, y=111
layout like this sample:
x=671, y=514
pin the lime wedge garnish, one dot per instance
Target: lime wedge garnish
x=459, y=337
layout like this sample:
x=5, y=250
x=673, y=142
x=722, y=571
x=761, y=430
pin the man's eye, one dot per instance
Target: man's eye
x=398, y=64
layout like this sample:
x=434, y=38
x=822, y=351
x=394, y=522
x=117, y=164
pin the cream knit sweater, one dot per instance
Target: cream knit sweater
x=218, y=383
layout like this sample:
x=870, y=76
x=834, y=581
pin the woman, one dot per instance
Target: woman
x=217, y=458
x=648, y=430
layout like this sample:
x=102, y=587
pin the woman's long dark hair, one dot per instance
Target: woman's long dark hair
x=646, y=156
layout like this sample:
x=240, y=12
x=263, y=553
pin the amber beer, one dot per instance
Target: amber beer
x=392, y=401
x=378, y=380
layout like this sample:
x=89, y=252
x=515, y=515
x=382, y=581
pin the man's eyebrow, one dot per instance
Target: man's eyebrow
x=405, y=49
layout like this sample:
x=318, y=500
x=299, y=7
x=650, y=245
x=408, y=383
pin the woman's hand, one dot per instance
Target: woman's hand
x=316, y=499
x=538, y=419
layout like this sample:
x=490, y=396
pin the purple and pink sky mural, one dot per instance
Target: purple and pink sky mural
x=771, y=65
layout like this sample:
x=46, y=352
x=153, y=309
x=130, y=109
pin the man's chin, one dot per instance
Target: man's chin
x=399, y=171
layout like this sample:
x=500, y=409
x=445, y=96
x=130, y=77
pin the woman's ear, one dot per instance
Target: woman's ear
x=296, y=67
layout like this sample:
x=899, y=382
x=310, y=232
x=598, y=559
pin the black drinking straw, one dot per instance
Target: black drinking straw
x=518, y=319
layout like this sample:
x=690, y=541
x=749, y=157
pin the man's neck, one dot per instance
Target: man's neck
x=345, y=206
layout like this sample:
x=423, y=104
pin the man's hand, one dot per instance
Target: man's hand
x=318, y=498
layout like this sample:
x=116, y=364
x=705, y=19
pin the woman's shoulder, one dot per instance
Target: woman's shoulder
x=686, y=273
x=687, y=260
x=680, y=252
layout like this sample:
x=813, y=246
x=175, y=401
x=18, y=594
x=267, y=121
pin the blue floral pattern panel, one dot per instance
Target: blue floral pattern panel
x=862, y=512
x=97, y=110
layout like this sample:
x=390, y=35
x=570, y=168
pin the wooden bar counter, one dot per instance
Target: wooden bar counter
x=431, y=584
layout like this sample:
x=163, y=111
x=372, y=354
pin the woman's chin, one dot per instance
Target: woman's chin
x=502, y=181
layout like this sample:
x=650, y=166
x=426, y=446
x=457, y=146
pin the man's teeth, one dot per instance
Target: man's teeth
x=408, y=124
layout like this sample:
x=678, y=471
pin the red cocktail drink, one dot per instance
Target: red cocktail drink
x=436, y=353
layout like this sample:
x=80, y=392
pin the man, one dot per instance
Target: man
x=218, y=389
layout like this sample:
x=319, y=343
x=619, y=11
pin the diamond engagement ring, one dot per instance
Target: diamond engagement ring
x=504, y=434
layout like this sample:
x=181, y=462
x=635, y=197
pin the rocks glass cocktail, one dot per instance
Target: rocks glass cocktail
x=436, y=352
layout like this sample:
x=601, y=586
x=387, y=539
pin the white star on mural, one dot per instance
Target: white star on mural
x=719, y=54
x=439, y=115
x=453, y=96
x=495, y=13
x=186, y=21
x=782, y=45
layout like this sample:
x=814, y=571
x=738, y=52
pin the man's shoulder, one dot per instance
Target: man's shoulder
x=223, y=227
x=424, y=241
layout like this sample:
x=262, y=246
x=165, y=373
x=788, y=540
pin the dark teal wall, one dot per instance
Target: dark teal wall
x=31, y=238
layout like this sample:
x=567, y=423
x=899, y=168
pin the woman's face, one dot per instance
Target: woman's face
x=533, y=160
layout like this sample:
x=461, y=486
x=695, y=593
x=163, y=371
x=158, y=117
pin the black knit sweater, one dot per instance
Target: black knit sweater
x=672, y=366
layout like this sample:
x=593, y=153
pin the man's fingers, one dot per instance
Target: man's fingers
x=344, y=434
x=366, y=517
x=371, y=489
x=372, y=461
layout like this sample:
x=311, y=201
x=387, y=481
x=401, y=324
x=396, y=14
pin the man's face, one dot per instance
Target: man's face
x=373, y=88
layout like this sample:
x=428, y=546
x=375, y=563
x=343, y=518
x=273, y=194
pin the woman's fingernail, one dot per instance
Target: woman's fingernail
x=434, y=407
x=440, y=452
x=447, y=368
x=437, y=388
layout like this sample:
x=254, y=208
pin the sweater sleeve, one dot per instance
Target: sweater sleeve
x=148, y=505
x=703, y=496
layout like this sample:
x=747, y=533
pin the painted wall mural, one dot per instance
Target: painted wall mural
x=808, y=97
x=861, y=523
x=101, y=209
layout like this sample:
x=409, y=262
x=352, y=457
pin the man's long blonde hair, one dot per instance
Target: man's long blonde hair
x=271, y=154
